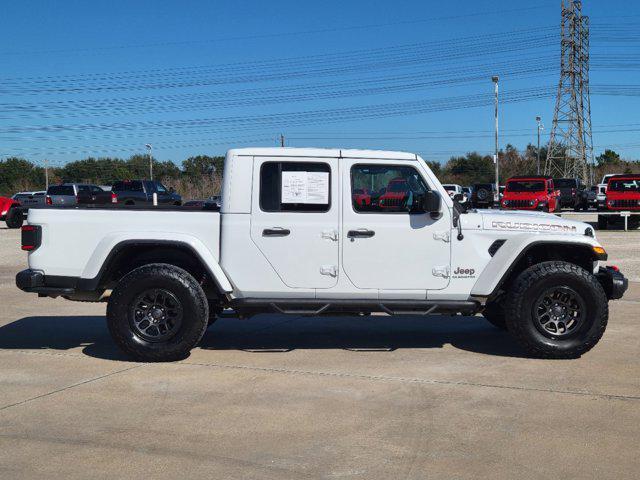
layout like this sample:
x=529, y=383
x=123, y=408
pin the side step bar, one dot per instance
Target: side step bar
x=314, y=307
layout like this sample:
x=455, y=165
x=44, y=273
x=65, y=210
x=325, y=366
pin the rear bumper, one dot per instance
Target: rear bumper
x=33, y=281
x=615, y=284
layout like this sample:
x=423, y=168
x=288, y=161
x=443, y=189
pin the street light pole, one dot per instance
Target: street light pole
x=150, y=150
x=540, y=127
x=46, y=174
x=495, y=157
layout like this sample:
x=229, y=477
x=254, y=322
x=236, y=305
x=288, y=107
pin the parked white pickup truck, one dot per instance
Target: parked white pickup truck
x=322, y=232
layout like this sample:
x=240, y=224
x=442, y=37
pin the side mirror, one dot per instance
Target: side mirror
x=172, y=190
x=431, y=202
x=458, y=197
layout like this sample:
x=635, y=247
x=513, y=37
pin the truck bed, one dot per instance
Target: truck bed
x=77, y=240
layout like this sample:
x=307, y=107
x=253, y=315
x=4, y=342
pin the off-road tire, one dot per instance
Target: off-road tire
x=195, y=312
x=603, y=222
x=494, y=314
x=14, y=218
x=530, y=284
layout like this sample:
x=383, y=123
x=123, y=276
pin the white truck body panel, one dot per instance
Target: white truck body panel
x=68, y=250
x=410, y=257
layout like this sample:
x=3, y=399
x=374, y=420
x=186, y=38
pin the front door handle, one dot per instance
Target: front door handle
x=275, y=232
x=363, y=233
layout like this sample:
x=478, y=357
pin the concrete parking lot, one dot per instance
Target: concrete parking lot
x=282, y=397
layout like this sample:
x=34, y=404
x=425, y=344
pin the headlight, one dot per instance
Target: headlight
x=506, y=202
x=610, y=202
x=532, y=202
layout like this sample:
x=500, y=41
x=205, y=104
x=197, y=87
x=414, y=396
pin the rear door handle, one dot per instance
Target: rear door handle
x=275, y=232
x=363, y=233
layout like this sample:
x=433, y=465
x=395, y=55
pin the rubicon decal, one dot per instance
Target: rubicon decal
x=538, y=227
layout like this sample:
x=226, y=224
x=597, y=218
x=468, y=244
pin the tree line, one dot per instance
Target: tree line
x=200, y=176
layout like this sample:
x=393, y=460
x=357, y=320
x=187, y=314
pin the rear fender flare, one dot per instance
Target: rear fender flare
x=112, y=244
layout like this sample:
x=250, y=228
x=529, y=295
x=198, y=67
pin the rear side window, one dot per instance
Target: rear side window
x=385, y=188
x=61, y=190
x=295, y=187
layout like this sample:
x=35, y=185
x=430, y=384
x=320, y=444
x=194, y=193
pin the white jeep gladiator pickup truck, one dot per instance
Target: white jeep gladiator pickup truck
x=323, y=232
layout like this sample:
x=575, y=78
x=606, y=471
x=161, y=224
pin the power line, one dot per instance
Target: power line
x=281, y=34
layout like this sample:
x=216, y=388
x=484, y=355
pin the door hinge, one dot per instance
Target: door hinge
x=330, y=270
x=441, y=271
x=330, y=235
x=444, y=236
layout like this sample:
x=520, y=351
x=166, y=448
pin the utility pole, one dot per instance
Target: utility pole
x=46, y=174
x=540, y=127
x=150, y=150
x=281, y=140
x=495, y=79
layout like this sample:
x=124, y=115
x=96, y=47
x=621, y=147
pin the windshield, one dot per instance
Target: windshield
x=525, y=186
x=564, y=183
x=449, y=188
x=624, y=185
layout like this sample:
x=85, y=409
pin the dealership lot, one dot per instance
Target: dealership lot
x=284, y=397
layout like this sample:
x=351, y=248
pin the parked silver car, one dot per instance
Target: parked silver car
x=30, y=199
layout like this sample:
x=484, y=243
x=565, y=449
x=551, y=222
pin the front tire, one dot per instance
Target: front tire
x=157, y=313
x=14, y=218
x=557, y=310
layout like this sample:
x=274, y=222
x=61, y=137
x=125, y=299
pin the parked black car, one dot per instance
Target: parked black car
x=140, y=192
x=589, y=198
x=483, y=195
x=570, y=192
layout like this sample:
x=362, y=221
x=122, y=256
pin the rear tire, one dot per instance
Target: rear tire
x=157, y=313
x=14, y=218
x=557, y=310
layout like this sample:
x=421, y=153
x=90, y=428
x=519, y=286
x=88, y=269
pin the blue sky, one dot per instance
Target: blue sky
x=103, y=78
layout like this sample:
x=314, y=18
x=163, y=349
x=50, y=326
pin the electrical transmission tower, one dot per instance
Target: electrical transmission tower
x=570, y=152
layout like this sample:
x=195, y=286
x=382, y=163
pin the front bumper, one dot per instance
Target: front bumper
x=33, y=281
x=613, y=282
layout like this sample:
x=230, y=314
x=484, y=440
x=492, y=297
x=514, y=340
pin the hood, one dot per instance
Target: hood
x=530, y=221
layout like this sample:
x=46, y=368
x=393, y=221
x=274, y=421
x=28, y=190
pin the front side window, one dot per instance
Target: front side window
x=295, y=187
x=386, y=188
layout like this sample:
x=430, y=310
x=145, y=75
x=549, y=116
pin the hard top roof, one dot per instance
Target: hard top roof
x=322, y=152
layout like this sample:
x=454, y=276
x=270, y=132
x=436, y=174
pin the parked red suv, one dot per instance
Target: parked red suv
x=530, y=193
x=11, y=212
x=623, y=195
x=395, y=195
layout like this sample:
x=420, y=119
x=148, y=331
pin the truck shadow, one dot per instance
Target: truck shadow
x=275, y=333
